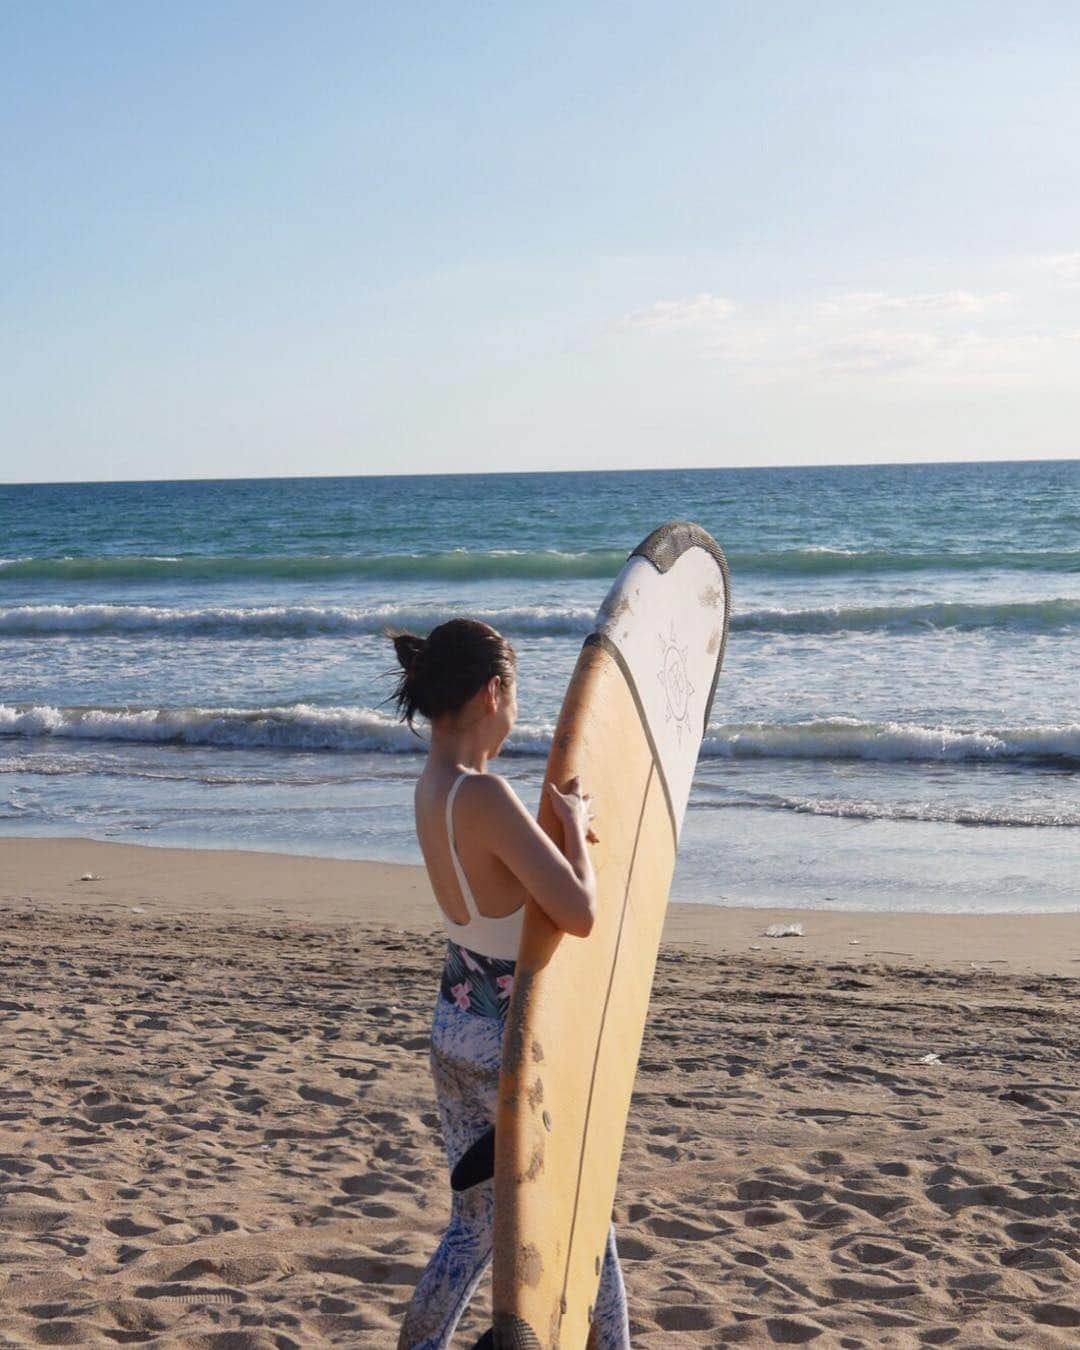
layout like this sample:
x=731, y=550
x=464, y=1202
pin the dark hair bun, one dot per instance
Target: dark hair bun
x=440, y=673
x=408, y=648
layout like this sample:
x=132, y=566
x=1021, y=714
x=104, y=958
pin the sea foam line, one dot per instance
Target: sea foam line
x=345, y=621
x=930, y=812
x=1031, y=616
x=299, y=726
x=277, y=621
x=305, y=726
x=820, y=560
x=848, y=738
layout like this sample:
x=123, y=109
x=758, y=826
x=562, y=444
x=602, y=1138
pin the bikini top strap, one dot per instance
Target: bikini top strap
x=459, y=871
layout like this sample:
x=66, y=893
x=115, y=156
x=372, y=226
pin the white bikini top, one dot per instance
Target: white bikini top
x=487, y=936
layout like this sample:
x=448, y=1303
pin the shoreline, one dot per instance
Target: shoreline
x=45, y=873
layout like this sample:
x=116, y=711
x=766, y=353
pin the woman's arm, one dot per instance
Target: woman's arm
x=562, y=883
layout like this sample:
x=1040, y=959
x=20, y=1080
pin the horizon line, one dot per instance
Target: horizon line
x=537, y=473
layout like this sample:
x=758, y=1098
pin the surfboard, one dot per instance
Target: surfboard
x=631, y=725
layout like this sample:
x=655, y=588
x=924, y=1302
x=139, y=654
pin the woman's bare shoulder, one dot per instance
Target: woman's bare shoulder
x=491, y=797
x=491, y=788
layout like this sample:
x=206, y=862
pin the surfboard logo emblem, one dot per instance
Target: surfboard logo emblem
x=675, y=678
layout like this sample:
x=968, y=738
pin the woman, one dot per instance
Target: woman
x=484, y=854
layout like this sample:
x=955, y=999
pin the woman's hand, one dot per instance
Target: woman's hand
x=558, y=875
x=574, y=808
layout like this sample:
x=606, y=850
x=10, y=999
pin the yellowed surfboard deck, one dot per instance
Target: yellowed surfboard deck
x=631, y=726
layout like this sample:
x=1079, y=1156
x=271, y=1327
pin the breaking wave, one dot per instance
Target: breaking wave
x=938, y=813
x=275, y=621
x=305, y=726
x=300, y=621
x=847, y=738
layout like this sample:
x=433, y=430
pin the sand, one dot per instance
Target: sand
x=217, y=1126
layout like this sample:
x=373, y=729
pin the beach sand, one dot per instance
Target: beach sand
x=217, y=1126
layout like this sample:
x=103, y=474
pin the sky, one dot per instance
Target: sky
x=262, y=239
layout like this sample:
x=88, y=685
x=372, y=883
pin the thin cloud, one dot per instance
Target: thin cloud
x=960, y=355
x=934, y=302
x=1063, y=265
x=954, y=336
x=695, y=312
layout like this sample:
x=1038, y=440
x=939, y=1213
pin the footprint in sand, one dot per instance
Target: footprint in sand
x=686, y=1317
x=790, y=1331
x=322, y=1096
x=124, y=1225
x=864, y=1252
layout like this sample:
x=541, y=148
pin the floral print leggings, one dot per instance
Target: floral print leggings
x=466, y=1048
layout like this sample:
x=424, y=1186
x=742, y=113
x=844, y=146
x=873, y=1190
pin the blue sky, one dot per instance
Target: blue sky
x=244, y=239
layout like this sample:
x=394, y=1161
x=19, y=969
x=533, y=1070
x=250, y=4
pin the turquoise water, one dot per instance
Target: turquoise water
x=896, y=725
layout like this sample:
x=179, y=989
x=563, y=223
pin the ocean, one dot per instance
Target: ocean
x=201, y=663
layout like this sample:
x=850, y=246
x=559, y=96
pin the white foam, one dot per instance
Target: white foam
x=940, y=813
x=298, y=726
x=849, y=738
x=1050, y=615
x=310, y=727
x=279, y=620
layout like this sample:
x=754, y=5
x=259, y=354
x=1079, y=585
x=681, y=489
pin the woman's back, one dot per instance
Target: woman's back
x=482, y=902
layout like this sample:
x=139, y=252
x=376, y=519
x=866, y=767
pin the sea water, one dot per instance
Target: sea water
x=896, y=726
